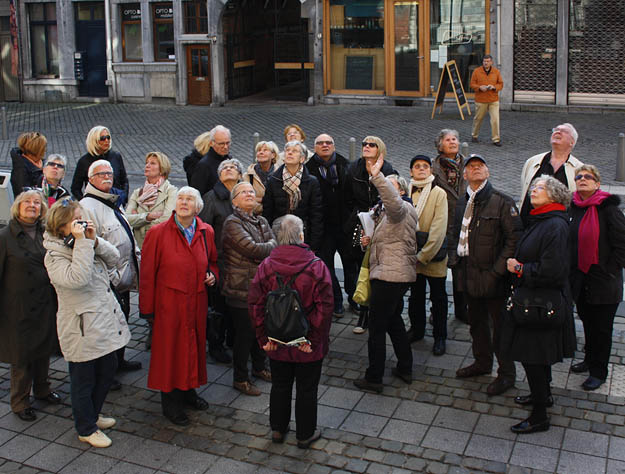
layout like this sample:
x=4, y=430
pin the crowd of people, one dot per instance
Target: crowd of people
x=204, y=257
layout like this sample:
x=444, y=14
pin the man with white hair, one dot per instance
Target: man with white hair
x=559, y=163
x=205, y=172
x=111, y=224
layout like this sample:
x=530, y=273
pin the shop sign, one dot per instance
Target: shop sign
x=131, y=11
x=163, y=13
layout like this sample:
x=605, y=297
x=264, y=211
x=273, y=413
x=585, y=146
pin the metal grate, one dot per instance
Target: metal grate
x=597, y=46
x=535, y=43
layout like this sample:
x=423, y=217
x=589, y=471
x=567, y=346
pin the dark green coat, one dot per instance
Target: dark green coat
x=27, y=299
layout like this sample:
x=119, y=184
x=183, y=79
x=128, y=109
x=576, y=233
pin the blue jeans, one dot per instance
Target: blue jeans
x=89, y=384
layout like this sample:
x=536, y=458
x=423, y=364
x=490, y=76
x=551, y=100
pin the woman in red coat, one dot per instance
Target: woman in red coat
x=179, y=259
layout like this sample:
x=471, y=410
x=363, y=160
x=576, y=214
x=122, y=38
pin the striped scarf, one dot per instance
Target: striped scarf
x=291, y=186
x=463, y=242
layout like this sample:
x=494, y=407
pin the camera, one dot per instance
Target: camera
x=83, y=224
x=70, y=240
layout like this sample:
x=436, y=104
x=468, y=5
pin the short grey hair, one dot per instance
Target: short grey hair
x=232, y=161
x=401, y=181
x=556, y=191
x=57, y=158
x=571, y=128
x=289, y=230
x=235, y=190
x=442, y=134
x=190, y=191
x=293, y=143
x=218, y=128
x=97, y=163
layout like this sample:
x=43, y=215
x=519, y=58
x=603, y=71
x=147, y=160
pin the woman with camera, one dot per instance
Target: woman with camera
x=90, y=323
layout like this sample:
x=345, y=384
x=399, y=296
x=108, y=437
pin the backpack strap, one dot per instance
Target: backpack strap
x=294, y=276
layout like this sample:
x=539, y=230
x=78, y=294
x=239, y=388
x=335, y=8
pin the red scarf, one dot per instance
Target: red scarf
x=588, y=232
x=552, y=206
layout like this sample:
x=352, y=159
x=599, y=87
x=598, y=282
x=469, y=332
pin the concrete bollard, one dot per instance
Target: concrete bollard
x=464, y=149
x=620, y=158
x=5, y=133
x=352, y=149
x=256, y=139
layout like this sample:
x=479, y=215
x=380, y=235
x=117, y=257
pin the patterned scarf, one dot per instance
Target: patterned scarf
x=262, y=175
x=188, y=232
x=149, y=193
x=463, y=242
x=327, y=169
x=291, y=186
x=588, y=233
x=420, y=192
x=451, y=167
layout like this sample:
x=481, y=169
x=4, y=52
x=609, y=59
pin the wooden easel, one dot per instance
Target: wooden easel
x=451, y=75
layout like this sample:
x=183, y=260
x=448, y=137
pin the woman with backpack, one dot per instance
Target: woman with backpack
x=296, y=264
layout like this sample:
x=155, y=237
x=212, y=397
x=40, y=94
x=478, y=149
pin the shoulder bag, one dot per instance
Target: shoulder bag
x=538, y=308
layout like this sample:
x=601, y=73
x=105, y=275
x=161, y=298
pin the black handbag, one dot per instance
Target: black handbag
x=215, y=320
x=422, y=238
x=539, y=308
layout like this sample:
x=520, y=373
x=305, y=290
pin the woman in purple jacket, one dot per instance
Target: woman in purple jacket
x=301, y=364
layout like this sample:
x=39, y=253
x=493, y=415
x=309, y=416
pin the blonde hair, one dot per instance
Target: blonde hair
x=61, y=213
x=202, y=143
x=273, y=148
x=235, y=190
x=15, y=207
x=296, y=127
x=33, y=143
x=592, y=168
x=377, y=141
x=163, y=162
x=93, y=139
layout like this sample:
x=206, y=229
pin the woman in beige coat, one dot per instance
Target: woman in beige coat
x=430, y=202
x=90, y=323
x=154, y=202
x=392, y=267
x=259, y=171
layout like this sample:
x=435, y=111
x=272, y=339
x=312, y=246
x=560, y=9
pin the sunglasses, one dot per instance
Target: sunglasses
x=31, y=188
x=369, y=144
x=103, y=138
x=56, y=165
x=324, y=142
x=587, y=177
x=67, y=201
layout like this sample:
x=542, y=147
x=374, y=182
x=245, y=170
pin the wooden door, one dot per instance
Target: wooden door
x=199, y=75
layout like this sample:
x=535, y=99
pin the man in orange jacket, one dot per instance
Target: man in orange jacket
x=486, y=82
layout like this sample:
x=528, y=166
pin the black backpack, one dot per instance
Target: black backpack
x=285, y=316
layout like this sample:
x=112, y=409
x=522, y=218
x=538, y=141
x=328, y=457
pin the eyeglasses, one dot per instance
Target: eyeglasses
x=103, y=138
x=222, y=143
x=248, y=192
x=229, y=167
x=56, y=165
x=31, y=188
x=561, y=130
x=104, y=174
x=587, y=177
x=293, y=134
x=421, y=166
x=324, y=142
x=369, y=144
x=540, y=187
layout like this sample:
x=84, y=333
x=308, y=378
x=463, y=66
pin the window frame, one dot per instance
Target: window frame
x=160, y=21
x=46, y=24
x=123, y=27
x=197, y=17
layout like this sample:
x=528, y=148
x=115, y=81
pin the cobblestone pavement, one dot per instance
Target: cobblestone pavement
x=437, y=424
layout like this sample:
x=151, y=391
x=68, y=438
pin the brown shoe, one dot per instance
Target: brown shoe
x=471, y=371
x=247, y=388
x=499, y=386
x=263, y=374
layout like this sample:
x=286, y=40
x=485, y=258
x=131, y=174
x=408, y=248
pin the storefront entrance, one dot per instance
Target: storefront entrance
x=198, y=74
x=399, y=47
x=91, y=41
x=266, y=49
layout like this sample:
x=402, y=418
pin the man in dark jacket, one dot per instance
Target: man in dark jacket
x=205, y=174
x=329, y=168
x=487, y=227
x=448, y=171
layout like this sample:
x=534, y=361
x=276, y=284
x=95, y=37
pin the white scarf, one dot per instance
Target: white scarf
x=463, y=241
x=422, y=197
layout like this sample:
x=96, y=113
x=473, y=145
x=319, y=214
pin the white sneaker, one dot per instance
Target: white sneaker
x=97, y=440
x=105, y=423
x=359, y=330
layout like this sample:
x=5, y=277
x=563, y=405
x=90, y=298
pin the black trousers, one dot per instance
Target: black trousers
x=460, y=304
x=385, y=309
x=333, y=243
x=485, y=344
x=245, y=345
x=174, y=402
x=538, y=377
x=416, y=306
x=598, y=320
x=123, y=298
x=32, y=374
x=351, y=267
x=306, y=376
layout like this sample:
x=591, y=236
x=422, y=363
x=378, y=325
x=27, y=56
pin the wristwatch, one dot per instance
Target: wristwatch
x=518, y=268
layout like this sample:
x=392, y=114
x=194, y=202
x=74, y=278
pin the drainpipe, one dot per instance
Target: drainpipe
x=109, y=48
x=499, y=33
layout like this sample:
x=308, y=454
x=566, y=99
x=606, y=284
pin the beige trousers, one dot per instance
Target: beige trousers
x=480, y=112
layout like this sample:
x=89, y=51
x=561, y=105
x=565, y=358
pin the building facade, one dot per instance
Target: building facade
x=209, y=52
